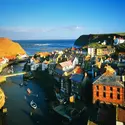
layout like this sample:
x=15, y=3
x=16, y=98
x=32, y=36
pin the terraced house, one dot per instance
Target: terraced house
x=109, y=88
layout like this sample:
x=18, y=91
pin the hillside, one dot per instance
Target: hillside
x=9, y=48
x=92, y=38
x=120, y=47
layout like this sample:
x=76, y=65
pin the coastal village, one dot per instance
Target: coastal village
x=88, y=80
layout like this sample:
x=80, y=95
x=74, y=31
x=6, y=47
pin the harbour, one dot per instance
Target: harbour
x=18, y=101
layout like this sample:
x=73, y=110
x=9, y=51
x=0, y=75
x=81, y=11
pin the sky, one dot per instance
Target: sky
x=60, y=19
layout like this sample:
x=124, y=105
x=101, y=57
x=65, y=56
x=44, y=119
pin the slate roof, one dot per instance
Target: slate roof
x=111, y=80
x=77, y=77
x=59, y=71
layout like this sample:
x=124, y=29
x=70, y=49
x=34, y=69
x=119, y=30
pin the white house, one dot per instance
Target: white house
x=91, y=51
x=104, y=42
x=118, y=41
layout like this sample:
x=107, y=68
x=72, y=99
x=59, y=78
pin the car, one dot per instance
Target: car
x=33, y=104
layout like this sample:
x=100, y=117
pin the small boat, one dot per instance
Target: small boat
x=33, y=104
x=29, y=91
x=21, y=84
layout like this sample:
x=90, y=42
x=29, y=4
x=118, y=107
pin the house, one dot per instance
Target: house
x=58, y=73
x=104, y=42
x=77, y=70
x=80, y=59
x=118, y=40
x=109, y=88
x=121, y=67
x=3, y=60
x=76, y=81
x=65, y=66
x=104, y=51
x=91, y=51
x=51, y=67
x=65, y=89
x=99, y=52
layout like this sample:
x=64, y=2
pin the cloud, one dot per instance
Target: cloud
x=22, y=29
x=42, y=30
x=74, y=28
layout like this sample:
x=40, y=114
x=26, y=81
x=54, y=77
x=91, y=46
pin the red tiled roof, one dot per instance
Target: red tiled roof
x=78, y=70
x=66, y=63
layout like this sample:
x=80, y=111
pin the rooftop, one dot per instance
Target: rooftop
x=109, y=80
x=66, y=63
x=77, y=77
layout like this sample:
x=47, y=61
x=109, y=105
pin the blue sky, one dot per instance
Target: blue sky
x=60, y=19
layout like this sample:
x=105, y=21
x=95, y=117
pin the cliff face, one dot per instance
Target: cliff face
x=10, y=48
x=92, y=38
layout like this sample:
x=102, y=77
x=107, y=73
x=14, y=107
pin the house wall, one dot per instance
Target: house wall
x=120, y=114
x=107, y=98
x=99, y=52
x=91, y=51
x=58, y=66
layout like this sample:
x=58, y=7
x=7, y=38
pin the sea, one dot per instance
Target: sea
x=33, y=46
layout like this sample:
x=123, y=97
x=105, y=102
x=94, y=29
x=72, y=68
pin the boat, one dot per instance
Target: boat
x=33, y=104
x=29, y=91
x=21, y=84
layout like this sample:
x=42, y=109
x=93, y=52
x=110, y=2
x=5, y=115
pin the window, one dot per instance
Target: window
x=97, y=94
x=111, y=95
x=118, y=96
x=104, y=88
x=118, y=89
x=111, y=88
x=97, y=87
x=104, y=94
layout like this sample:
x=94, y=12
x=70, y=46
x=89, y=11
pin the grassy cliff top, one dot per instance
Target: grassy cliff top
x=84, y=40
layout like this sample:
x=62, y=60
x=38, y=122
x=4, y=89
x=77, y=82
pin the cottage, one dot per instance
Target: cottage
x=65, y=66
x=65, y=87
x=91, y=51
x=118, y=40
x=58, y=73
x=51, y=67
x=76, y=81
x=99, y=52
x=109, y=88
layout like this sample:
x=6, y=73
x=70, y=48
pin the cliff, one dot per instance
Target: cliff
x=84, y=40
x=9, y=48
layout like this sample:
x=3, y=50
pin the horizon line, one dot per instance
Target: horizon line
x=43, y=39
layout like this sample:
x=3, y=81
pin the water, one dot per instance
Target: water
x=18, y=102
x=33, y=46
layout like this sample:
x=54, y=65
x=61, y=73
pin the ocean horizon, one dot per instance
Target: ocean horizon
x=33, y=46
